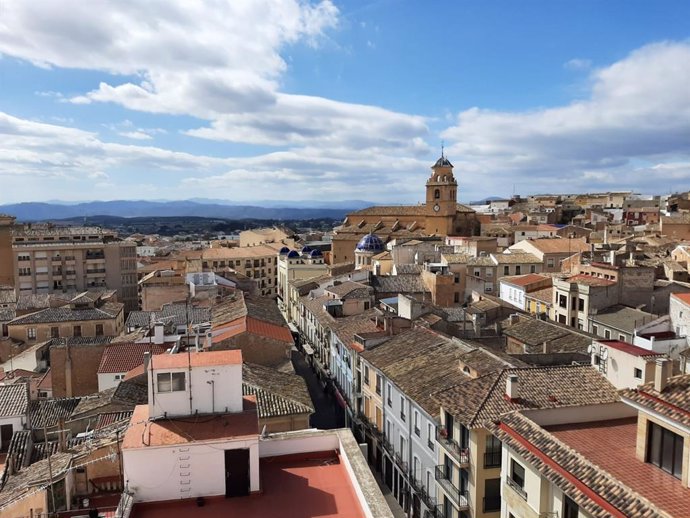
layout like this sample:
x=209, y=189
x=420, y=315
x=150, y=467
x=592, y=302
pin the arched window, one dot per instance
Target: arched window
x=444, y=177
x=437, y=194
x=438, y=177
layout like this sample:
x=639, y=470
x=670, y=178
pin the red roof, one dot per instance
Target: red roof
x=682, y=297
x=629, y=348
x=118, y=358
x=205, y=359
x=256, y=327
x=143, y=432
x=524, y=280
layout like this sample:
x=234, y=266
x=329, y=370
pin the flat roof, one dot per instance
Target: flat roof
x=204, y=359
x=611, y=445
x=295, y=486
x=144, y=432
x=628, y=348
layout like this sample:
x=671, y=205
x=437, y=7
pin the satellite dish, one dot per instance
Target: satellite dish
x=590, y=348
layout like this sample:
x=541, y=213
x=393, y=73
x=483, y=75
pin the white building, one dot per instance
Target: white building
x=14, y=405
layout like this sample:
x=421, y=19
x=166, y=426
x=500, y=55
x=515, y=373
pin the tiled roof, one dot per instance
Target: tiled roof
x=485, y=361
x=124, y=357
x=204, y=359
x=7, y=314
x=589, y=280
x=673, y=402
x=524, y=280
x=534, y=332
x=33, y=301
x=277, y=393
x=37, y=474
x=560, y=245
x=398, y=284
x=481, y=400
x=109, y=418
x=543, y=295
x=391, y=210
x=133, y=390
x=177, y=314
x=515, y=257
x=81, y=340
x=630, y=348
x=89, y=404
x=315, y=307
x=682, y=297
x=48, y=412
x=419, y=362
x=107, y=311
x=554, y=460
x=14, y=399
x=144, y=432
x=350, y=289
x=345, y=328
x=408, y=269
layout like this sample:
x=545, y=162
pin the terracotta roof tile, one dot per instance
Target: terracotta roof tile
x=194, y=359
x=672, y=402
x=125, y=357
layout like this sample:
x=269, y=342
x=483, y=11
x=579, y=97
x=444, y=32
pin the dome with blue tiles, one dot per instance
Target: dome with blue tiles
x=370, y=243
x=315, y=253
x=293, y=254
x=306, y=249
x=284, y=250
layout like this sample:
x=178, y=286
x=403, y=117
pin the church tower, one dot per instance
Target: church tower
x=441, y=197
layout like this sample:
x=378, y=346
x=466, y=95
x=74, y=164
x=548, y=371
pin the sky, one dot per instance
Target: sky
x=341, y=100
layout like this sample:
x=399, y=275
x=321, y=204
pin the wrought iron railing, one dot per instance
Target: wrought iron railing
x=492, y=459
x=459, y=453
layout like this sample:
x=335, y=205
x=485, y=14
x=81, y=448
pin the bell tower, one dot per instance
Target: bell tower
x=441, y=197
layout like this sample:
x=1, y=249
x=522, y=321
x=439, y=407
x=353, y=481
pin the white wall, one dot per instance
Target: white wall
x=184, y=471
x=512, y=295
x=17, y=423
x=224, y=393
x=586, y=414
x=284, y=444
x=107, y=380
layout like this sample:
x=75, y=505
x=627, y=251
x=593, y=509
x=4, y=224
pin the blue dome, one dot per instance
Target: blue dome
x=315, y=253
x=306, y=250
x=292, y=254
x=284, y=250
x=370, y=243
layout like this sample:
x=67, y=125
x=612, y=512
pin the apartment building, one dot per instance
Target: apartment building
x=551, y=252
x=485, y=272
x=259, y=263
x=6, y=256
x=293, y=265
x=625, y=459
x=470, y=460
x=50, y=259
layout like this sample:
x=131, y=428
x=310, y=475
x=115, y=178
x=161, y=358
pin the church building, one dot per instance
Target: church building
x=441, y=215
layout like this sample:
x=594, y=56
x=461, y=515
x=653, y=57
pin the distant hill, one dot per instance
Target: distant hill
x=35, y=211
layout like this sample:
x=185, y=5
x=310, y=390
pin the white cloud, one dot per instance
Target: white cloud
x=578, y=64
x=136, y=135
x=637, y=109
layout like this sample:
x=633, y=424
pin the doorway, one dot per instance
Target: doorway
x=5, y=437
x=236, y=472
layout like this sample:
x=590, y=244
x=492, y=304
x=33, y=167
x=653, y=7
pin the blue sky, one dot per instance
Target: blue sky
x=285, y=99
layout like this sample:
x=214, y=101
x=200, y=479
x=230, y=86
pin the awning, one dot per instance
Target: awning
x=307, y=348
x=293, y=328
x=340, y=399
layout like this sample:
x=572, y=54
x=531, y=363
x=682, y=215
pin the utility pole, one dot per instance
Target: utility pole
x=50, y=468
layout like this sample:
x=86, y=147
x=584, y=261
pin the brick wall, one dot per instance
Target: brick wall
x=84, y=369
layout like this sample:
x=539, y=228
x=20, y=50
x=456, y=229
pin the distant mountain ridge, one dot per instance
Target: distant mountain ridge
x=37, y=211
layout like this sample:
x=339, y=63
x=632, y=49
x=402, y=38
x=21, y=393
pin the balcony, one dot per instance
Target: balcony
x=492, y=504
x=459, y=498
x=457, y=452
x=492, y=459
x=434, y=512
x=94, y=255
x=517, y=488
x=400, y=462
x=428, y=499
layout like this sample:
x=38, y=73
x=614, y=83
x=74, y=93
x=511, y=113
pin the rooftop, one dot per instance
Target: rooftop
x=682, y=297
x=124, y=357
x=107, y=311
x=313, y=484
x=481, y=400
x=589, y=280
x=194, y=359
x=560, y=245
x=622, y=317
x=673, y=402
x=611, y=446
x=144, y=433
x=524, y=280
x=629, y=348
x=14, y=399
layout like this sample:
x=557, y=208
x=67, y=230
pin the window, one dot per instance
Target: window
x=621, y=338
x=532, y=269
x=506, y=270
x=366, y=305
x=55, y=332
x=31, y=333
x=119, y=377
x=430, y=436
x=76, y=331
x=390, y=396
x=402, y=446
x=417, y=431
x=518, y=269
x=580, y=304
x=437, y=194
x=99, y=329
x=492, y=455
x=549, y=263
x=563, y=301
x=402, y=408
x=595, y=329
x=366, y=375
x=477, y=272
x=638, y=373
x=665, y=449
x=570, y=508
x=456, y=279
x=517, y=473
x=456, y=297
x=378, y=384
x=607, y=334
x=170, y=381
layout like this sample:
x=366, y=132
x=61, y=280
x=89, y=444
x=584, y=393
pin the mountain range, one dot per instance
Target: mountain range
x=264, y=209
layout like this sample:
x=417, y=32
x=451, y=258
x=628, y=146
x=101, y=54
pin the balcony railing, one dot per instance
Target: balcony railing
x=460, y=454
x=517, y=488
x=492, y=504
x=400, y=462
x=428, y=499
x=492, y=459
x=459, y=498
x=434, y=512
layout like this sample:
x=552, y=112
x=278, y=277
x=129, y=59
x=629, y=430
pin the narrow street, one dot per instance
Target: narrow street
x=327, y=413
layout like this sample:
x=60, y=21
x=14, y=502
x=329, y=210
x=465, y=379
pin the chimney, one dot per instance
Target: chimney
x=159, y=333
x=661, y=374
x=512, y=387
x=147, y=359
